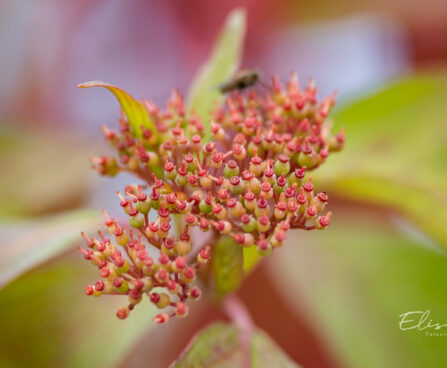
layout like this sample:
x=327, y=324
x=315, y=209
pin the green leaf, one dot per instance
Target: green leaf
x=227, y=266
x=31, y=243
x=44, y=171
x=265, y=353
x=396, y=152
x=48, y=321
x=136, y=113
x=222, y=64
x=356, y=278
x=251, y=258
x=220, y=345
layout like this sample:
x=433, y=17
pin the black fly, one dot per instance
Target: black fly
x=243, y=79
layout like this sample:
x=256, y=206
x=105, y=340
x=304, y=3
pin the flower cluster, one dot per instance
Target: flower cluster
x=248, y=182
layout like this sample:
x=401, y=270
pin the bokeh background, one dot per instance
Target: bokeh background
x=329, y=299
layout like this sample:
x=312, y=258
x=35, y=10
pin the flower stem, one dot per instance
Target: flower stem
x=239, y=315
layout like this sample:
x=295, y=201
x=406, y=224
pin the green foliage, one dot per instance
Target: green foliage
x=42, y=239
x=265, y=353
x=220, y=345
x=356, y=278
x=227, y=263
x=42, y=172
x=222, y=64
x=48, y=322
x=396, y=152
x=251, y=258
x=137, y=115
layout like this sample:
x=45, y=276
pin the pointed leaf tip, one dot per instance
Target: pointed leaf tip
x=91, y=84
x=137, y=115
x=236, y=17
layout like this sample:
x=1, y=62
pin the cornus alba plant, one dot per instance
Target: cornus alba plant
x=246, y=175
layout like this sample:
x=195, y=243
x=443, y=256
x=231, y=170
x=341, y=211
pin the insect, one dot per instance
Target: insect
x=243, y=79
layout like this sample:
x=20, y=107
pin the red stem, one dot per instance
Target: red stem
x=238, y=314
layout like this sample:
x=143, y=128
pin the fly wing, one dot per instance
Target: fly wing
x=243, y=78
x=227, y=86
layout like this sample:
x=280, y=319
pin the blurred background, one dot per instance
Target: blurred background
x=331, y=299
